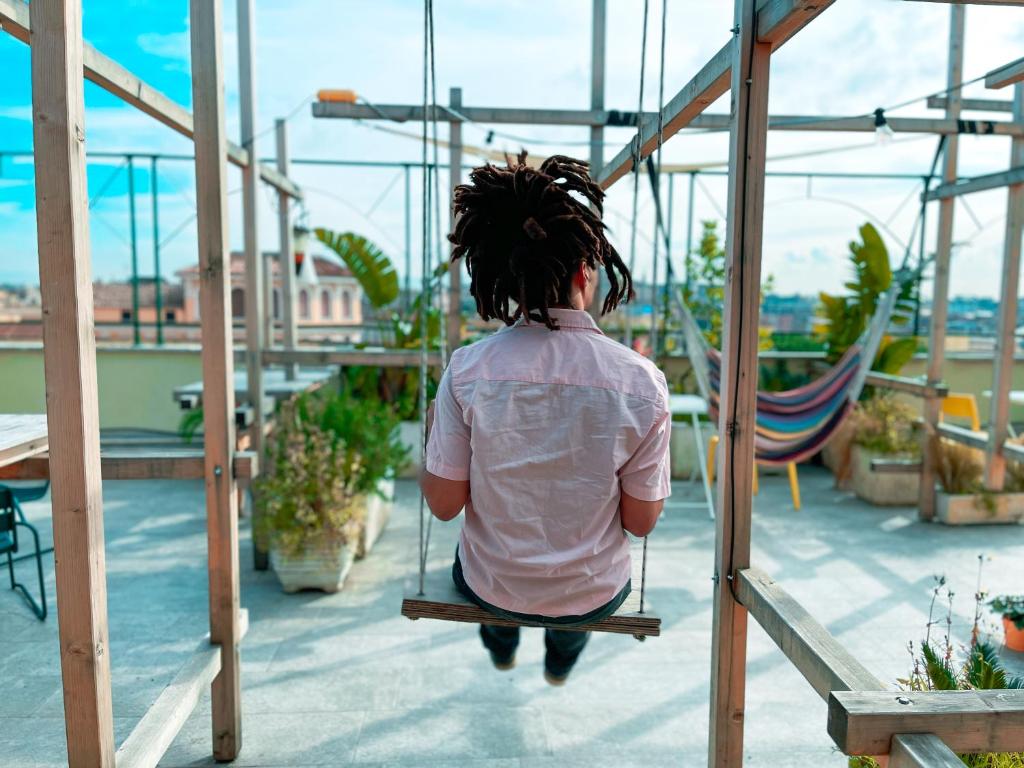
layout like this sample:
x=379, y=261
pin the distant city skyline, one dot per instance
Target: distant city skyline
x=525, y=54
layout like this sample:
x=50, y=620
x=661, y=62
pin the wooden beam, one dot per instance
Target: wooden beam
x=818, y=656
x=218, y=386
x=749, y=70
x=1007, y=3
x=823, y=662
x=385, y=358
x=454, y=315
x=904, y=384
x=289, y=312
x=141, y=465
x=776, y=21
x=943, y=251
x=115, y=79
x=864, y=722
x=697, y=95
x=1006, y=324
x=1006, y=75
x=69, y=358
x=963, y=435
x=155, y=732
x=974, y=105
x=919, y=750
x=976, y=184
x=281, y=182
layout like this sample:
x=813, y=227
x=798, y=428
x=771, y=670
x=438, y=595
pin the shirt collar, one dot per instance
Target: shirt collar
x=576, y=319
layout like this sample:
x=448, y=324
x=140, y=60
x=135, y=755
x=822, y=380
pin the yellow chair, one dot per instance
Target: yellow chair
x=794, y=482
x=961, y=406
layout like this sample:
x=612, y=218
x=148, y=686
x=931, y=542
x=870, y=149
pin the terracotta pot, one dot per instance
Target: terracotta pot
x=1014, y=636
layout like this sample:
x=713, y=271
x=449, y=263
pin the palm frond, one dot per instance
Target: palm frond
x=368, y=263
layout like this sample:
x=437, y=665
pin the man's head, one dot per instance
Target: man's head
x=527, y=240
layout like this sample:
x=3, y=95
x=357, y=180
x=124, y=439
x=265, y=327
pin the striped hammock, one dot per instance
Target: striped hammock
x=795, y=424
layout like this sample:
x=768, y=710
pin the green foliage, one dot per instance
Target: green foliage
x=191, y=421
x=785, y=341
x=937, y=669
x=370, y=266
x=846, y=317
x=885, y=425
x=775, y=376
x=306, y=499
x=327, y=452
x=1011, y=606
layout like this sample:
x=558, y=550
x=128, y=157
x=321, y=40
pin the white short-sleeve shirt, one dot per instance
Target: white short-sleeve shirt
x=548, y=426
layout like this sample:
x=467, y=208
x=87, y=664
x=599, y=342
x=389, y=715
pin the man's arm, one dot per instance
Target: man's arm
x=639, y=517
x=445, y=497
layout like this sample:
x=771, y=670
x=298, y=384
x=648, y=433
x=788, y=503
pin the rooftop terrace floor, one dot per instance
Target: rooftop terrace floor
x=344, y=679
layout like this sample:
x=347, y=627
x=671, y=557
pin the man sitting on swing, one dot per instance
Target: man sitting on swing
x=553, y=437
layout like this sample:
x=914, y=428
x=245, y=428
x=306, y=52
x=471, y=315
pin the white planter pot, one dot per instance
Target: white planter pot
x=683, y=448
x=378, y=512
x=979, y=509
x=883, y=489
x=409, y=434
x=324, y=569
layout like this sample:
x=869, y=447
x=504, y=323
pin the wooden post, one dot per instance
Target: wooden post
x=455, y=176
x=1006, y=339
x=748, y=139
x=598, y=38
x=206, y=18
x=943, y=251
x=286, y=260
x=69, y=354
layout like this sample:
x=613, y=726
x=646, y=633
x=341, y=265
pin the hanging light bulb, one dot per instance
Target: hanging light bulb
x=883, y=131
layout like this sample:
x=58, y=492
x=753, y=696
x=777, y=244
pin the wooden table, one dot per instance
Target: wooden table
x=21, y=435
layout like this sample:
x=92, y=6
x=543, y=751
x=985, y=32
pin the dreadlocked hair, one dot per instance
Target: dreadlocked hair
x=523, y=235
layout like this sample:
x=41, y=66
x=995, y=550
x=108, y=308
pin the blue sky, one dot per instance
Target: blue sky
x=859, y=55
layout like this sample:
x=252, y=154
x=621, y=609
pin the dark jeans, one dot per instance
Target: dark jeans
x=564, y=646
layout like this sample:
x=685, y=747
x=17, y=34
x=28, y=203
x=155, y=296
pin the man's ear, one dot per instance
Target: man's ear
x=582, y=278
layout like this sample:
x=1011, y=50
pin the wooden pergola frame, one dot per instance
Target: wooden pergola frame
x=75, y=464
x=916, y=729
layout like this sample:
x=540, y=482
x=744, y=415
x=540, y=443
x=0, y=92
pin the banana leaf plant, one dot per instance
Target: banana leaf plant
x=847, y=316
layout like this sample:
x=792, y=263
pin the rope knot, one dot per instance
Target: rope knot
x=534, y=230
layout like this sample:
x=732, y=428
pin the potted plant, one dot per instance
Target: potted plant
x=883, y=427
x=1012, y=609
x=310, y=514
x=963, y=499
x=369, y=445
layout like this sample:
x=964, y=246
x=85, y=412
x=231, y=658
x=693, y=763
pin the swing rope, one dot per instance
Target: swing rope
x=637, y=140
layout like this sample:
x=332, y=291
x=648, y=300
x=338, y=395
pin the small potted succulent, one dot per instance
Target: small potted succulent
x=310, y=511
x=883, y=427
x=1012, y=609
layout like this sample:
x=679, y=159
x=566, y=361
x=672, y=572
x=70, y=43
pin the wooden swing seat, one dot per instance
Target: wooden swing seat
x=442, y=601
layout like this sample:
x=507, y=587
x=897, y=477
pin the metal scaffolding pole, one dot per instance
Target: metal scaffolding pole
x=407, y=300
x=454, y=176
x=157, y=287
x=286, y=260
x=136, y=329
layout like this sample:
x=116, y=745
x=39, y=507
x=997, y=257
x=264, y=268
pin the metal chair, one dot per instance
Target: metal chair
x=11, y=517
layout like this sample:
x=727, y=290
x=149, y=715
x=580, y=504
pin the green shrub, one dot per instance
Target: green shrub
x=1010, y=606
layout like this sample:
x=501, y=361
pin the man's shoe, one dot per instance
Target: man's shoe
x=503, y=665
x=555, y=680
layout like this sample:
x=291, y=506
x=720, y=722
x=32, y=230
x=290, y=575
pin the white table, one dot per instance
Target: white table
x=695, y=406
x=21, y=435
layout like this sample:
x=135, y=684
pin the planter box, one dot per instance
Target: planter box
x=316, y=569
x=883, y=489
x=683, y=449
x=378, y=512
x=409, y=434
x=979, y=509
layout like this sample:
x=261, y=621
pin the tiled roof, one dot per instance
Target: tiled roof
x=119, y=295
x=325, y=266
